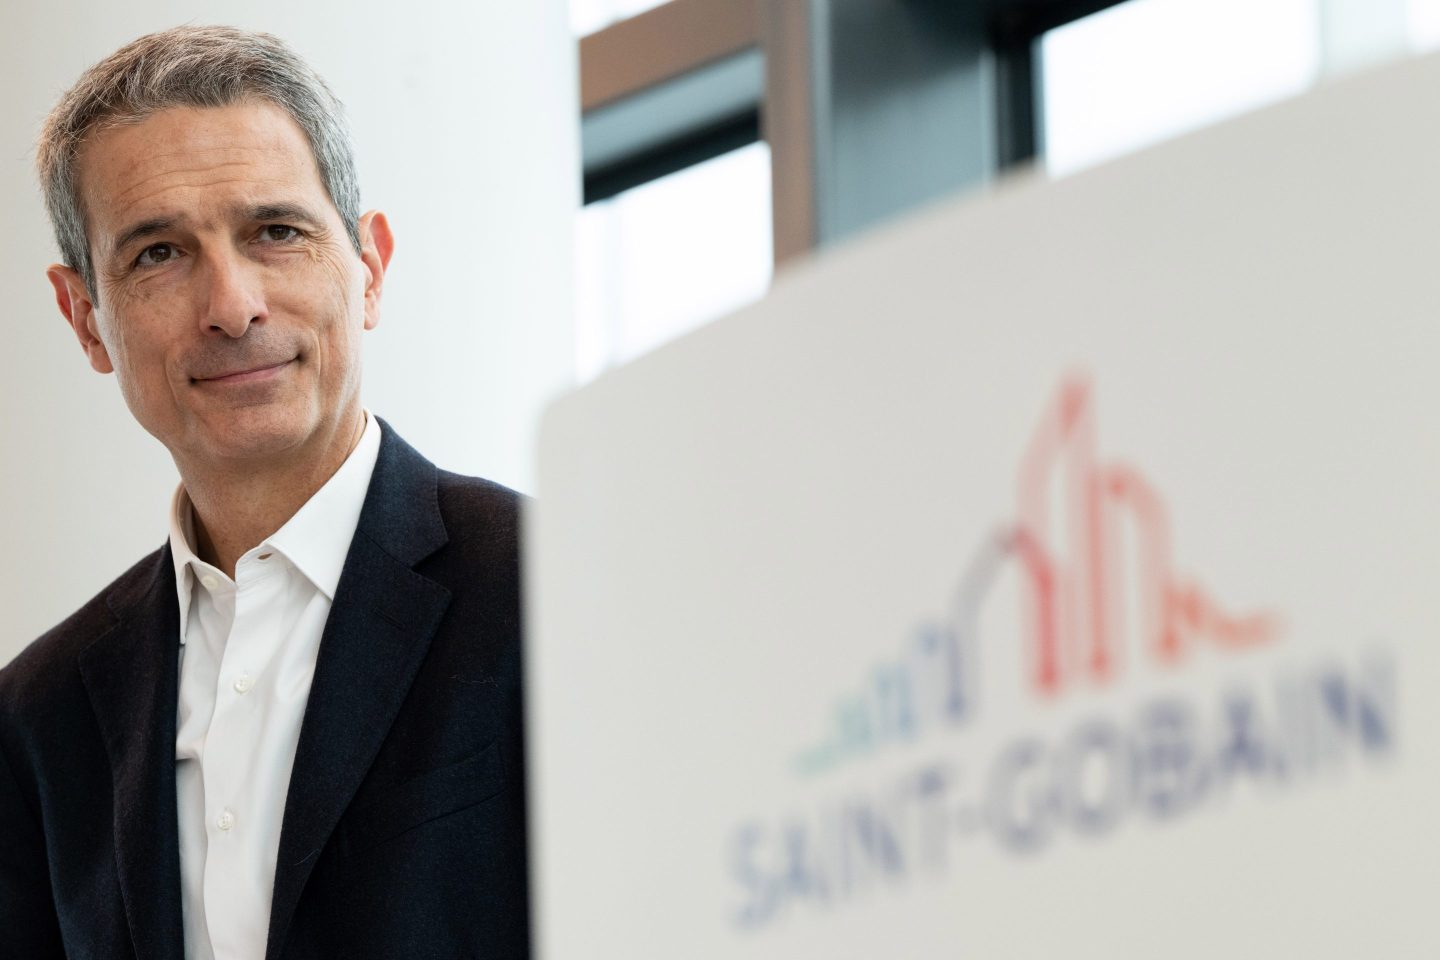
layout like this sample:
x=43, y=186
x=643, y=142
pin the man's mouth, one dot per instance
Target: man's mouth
x=245, y=374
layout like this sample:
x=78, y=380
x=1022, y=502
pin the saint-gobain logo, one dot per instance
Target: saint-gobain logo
x=1092, y=545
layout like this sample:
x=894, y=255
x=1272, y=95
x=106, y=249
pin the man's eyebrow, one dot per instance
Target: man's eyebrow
x=291, y=212
x=145, y=228
x=259, y=213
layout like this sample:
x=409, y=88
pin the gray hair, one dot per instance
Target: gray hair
x=189, y=67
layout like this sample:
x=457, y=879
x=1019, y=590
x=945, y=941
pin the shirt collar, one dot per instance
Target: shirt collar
x=182, y=535
x=315, y=540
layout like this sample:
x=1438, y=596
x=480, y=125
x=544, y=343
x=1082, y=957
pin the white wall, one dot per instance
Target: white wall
x=466, y=123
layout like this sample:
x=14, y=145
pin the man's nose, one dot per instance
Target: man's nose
x=235, y=295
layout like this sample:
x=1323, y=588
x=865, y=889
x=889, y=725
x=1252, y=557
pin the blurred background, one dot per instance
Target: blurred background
x=576, y=183
x=722, y=138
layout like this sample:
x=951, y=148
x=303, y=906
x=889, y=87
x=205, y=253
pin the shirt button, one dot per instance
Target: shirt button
x=225, y=821
x=244, y=683
x=209, y=582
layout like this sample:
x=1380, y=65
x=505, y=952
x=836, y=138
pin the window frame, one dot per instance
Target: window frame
x=693, y=41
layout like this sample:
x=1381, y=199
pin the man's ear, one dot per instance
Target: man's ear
x=377, y=243
x=74, y=302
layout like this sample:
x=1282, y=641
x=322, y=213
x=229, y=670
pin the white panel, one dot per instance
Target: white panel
x=1177, y=409
x=465, y=118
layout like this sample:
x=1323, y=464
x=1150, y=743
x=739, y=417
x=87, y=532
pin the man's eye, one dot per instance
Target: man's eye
x=279, y=233
x=155, y=254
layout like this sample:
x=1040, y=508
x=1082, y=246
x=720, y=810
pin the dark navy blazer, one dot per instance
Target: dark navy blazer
x=404, y=829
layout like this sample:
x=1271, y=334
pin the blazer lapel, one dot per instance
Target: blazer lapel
x=131, y=675
x=377, y=634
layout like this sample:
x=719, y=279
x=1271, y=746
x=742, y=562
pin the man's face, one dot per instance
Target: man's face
x=230, y=299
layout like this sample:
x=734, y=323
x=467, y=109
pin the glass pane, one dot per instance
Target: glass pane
x=663, y=258
x=587, y=16
x=1424, y=18
x=1150, y=69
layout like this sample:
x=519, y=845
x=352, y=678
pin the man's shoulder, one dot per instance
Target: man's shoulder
x=51, y=658
x=479, y=513
x=476, y=499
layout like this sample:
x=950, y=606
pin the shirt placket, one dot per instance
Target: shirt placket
x=230, y=876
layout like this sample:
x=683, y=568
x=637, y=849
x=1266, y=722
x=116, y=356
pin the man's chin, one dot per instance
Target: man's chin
x=254, y=434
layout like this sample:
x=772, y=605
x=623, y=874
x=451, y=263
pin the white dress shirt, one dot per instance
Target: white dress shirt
x=247, y=659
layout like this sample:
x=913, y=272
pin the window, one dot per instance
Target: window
x=1423, y=18
x=658, y=260
x=671, y=95
x=1147, y=70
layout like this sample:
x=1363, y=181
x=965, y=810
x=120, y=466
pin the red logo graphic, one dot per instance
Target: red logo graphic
x=1081, y=568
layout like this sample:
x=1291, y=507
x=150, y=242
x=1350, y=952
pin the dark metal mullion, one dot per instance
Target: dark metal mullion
x=1016, y=115
x=1016, y=27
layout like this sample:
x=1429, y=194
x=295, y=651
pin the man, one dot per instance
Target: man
x=294, y=730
